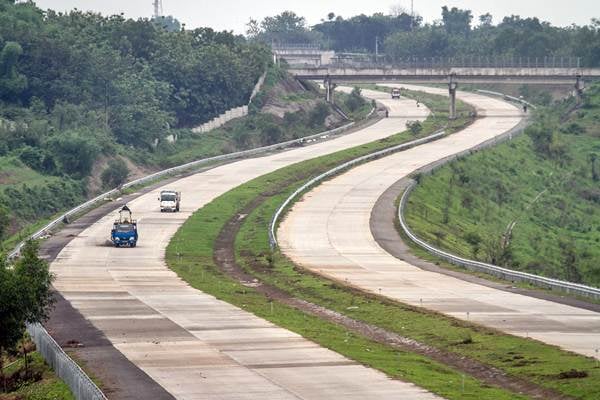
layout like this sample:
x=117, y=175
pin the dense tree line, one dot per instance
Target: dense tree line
x=130, y=80
x=80, y=87
x=457, y=34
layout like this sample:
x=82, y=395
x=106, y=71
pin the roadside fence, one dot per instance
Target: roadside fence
x=81, y=385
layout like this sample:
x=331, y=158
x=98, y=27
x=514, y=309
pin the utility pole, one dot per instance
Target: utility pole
x=412, y=14
x=376, y=48
x=158, y=8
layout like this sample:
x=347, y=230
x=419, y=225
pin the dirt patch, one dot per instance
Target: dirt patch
x=6, y=178
x=572, y=374
x=224, y=257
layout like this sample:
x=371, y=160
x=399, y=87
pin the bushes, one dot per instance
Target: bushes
x=115, y=174
x=415, y=127
x=4, y=222
x=28, y=203
x=316, y=117
x=76, y=152
x=355, y=101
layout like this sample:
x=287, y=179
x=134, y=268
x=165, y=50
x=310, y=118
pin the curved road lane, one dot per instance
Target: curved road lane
x=328, y=232
x=192, y=344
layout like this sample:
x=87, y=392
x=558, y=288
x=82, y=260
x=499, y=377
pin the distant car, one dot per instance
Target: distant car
x=396, y=93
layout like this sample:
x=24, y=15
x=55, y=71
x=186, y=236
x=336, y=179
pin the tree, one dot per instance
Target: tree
x=354, y=101
x=75, y=151
x=115, y=173
x=169, y=23
x=415, y=127
x=138, y=116
x=271, y=133
x=287, y=27
x=593, y=157
x=457, y=21
x=485, y=20
x=317, y=116
x=252, y=29
x=4, y=222
x=12, y=83
x=25, y=295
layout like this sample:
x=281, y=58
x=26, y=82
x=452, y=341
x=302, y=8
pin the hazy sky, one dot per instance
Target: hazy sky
x=234, y=14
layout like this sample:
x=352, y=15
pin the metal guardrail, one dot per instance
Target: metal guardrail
x=507, y=97
x=82, y=387
x=373, y=61
x=338, y=169
x=503, y=273
x=174, y=170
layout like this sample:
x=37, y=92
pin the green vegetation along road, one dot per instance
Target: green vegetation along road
x=531, y=204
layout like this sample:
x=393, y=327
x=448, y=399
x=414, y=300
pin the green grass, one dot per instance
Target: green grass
x=50, y=387
x=190, y=254
x=466, y=206
x=14, y=172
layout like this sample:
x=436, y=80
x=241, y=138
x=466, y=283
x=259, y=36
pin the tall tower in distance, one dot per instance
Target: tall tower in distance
x=158, y=8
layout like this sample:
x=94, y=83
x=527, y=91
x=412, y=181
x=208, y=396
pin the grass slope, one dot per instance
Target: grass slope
x=551, y=197
x=50, y=387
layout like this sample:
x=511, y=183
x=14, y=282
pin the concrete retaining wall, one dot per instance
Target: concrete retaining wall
x=232, y=113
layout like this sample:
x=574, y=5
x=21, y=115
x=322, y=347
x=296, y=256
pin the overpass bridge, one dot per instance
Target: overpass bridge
x=531, y=73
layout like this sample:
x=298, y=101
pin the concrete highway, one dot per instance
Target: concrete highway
x=328, y=232
x=192, y=344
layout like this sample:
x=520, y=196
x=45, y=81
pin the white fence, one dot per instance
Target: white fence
x=82, y=387
x=230, y=114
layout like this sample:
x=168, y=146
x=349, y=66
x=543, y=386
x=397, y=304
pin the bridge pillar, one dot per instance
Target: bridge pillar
x=329, y=89
x=452, y=85
x=579, y=86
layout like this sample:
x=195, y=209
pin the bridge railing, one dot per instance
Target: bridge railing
x=365, y=61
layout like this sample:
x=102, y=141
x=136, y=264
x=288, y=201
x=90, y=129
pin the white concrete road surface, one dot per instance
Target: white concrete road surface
x=192, y=344
x=328, y=232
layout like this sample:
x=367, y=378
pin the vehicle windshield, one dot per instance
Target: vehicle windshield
x=395, y=91
x=167, y=197
x=124, y=228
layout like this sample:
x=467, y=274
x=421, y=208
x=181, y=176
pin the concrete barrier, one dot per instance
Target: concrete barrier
x=232, y=113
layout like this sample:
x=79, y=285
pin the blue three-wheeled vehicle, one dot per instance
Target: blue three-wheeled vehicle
x=124, y=231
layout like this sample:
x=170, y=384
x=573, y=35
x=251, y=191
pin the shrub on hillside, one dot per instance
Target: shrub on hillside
x=115, y=174
x=317, y=115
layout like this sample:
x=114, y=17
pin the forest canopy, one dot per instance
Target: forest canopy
x=457, y=33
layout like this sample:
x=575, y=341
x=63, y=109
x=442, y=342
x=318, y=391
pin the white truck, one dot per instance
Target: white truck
x=169, y=200
x=396, y=93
